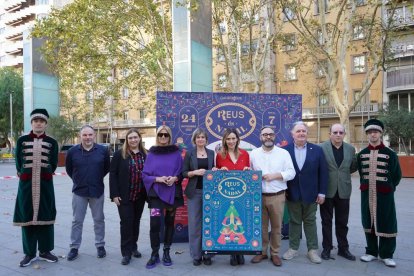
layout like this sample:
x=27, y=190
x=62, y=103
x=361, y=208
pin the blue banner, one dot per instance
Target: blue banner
x=232, y=212
x=183, y=112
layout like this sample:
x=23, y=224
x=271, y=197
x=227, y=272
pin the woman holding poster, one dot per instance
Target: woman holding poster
x=231, y=157
x=196, y=162
x=162, y=179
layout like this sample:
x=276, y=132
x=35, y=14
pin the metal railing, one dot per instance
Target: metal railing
x=329, y=111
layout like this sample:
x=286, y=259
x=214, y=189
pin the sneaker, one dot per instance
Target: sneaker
x=73, y=254
x=314, y=257
x=290, y=254
x=27, y=260
x=136, y=254
x=389, y=262
x=367, y=258
x=48, y=257
x=101, y=252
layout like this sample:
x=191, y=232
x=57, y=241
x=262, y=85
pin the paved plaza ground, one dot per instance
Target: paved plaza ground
x=87, y=263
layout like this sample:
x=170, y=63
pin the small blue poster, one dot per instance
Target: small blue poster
x=232, y=212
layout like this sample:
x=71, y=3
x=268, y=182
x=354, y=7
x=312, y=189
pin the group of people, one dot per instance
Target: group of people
x=302, y=175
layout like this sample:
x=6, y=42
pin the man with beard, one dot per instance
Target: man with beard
x=277, y=168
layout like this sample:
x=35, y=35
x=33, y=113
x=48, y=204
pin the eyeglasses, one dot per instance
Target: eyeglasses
x=166, y=135
x=338, y=132
x=268, y=134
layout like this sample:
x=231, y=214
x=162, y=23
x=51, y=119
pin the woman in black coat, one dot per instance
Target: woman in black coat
x=128, y=192
x=196, y=162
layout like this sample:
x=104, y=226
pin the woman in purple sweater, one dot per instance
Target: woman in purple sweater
x=162, y=179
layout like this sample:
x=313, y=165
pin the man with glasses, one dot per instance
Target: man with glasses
x=277, y=168
x=340, y=157
x=87, y=164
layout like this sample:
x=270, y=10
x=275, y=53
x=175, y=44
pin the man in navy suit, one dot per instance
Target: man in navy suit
x=305, y=192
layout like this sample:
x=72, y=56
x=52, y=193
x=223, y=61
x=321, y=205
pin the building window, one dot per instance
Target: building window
x=125, y=93
x=2, y=59
x=220, y=55
x=321, y=68
x=358, y=32
x=288, y=14
x=364, y=100
x=290, y=72
x=142, y=93
x=125, y=72
x=222, y=80
x=245, y=49
x=325, y=4
x=324, y=100
x=126, y=116
x=359, y=64
x=42, y=2
x=289, y=42
x=319, y=37
x=142, y=113
x=2, y=30
x=222, y=27
x=360, y=2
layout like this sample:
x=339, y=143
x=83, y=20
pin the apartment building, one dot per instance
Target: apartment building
x=17, y=16
x=398, y=85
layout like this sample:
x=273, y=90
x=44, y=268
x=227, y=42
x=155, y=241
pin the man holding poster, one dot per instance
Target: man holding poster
x=277, y=168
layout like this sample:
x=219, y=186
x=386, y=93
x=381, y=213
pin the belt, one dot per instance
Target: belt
x=274, y=194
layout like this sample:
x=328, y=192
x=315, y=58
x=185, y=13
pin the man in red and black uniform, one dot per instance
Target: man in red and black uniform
x=380, y=174
x=35, y=211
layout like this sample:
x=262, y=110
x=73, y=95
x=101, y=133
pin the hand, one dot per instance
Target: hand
x=224, y=169
x=320, y=200
x=246, y=169
x=171, y=180
x=214, y=169
x=267, y=177
x=161, y=179
x=117, y=200
x=200, y=172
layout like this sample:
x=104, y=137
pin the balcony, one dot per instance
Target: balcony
x=403, y=49
x=400, y=79
x=13, y=5
x=403, y=16
x=14, y=47
x=329, y=111
x=15, y=33
x=135, y=123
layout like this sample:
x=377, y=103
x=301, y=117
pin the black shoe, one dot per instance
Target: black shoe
x=126, y=260
x=197, y=262
x=166, y=259
x=136, y=254
x=101, y=252
x=326, y=254
x=233, y=260
x=240, y=259
x=48, y=257
x=27, y=260
x=207, y=260
x=73, y=254
x=346, y=254
x=153, y=261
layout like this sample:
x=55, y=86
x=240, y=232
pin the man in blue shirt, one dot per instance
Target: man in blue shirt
x=87, y=164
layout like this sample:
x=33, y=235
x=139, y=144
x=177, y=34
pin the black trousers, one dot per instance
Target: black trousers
x=155, y=229
x=130, y=214
x=341, y=207
x=41, y=236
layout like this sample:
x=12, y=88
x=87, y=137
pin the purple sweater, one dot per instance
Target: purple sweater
x=162, y=161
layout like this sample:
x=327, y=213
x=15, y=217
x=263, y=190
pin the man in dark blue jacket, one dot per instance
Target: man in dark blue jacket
x=305, y=192
x=87, y=164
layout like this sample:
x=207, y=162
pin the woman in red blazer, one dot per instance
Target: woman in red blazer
x=232, y=158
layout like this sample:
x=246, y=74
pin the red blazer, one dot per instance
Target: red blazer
x=242, y=161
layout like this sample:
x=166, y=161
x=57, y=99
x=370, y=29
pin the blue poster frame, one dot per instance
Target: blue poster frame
x=232, y=212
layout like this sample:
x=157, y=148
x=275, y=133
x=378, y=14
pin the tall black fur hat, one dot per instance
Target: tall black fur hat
x=39, y=113
x=374, y=124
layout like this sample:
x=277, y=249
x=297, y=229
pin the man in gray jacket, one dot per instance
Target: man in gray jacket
x=340, y=157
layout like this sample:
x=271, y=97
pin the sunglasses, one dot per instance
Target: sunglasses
x=166, y=135
x=338, y=132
